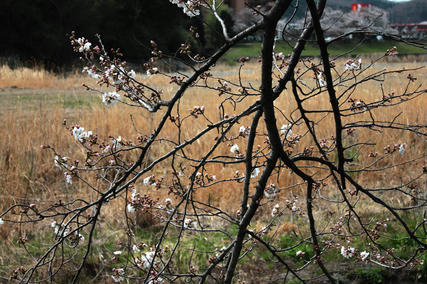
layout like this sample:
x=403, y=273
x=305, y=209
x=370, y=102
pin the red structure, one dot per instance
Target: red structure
x=421, y=27
x=357, y=6
x=415, y=31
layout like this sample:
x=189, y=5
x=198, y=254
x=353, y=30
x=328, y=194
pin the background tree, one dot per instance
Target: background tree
x=38, y=31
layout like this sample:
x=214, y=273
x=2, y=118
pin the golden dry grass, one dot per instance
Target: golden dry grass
x=29, y=174
x=24, y=77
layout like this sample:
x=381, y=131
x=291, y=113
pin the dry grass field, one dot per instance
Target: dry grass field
x=35, y=103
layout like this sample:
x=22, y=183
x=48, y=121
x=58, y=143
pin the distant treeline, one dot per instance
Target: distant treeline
x=38, y=30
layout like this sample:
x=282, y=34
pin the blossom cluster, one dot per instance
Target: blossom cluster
x=244, y=131
x=190, y=224
x=83, y=45
x=80, y=134
x=146, y=259
x=138, y=201
x=270, y=190
x=168, y=205
x=190, y=7
x=321, y=79
x=352, y=65
x=74, y=239
x=110, y=98
x=197, y=110
x=286, y=130
x=111, y=71
x=349, y=252
x=275, y=210
x=133, y=200
x=235, y=149
x=292, y=204
x=396, y=147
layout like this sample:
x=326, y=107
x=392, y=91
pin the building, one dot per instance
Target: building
x=411, y=31
x=356, y=7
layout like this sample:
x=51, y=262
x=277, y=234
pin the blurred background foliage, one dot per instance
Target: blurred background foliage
x=35, y=32
x=38, y=30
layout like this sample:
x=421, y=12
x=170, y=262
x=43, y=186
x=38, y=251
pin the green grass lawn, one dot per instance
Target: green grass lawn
x=17, y=99
x=253, y=49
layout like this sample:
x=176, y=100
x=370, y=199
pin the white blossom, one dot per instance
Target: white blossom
x=270, y=191
x=322, y=82
x=81, y=41
x=117, y=252
x=191, y=12
x=56, y=160
x=87, y=46
x=286, y=129
x=53, y=224
x=188, y=223
x=132, y=74
x=130, y=208
x=110, y=98
x=84, y=45
x=135, y=248
x=81, y=238
x=118, y=274
x=62, y=161
x=1, y=221
x=106, y=149
x=117, y=278
x=68, y=178
x=255, y=173
x=80, y=134
x=402, y=148
x=299, y=253
x=364, y=255
x=275, y=210
x=149, y=181
x=152, y=71
x=294, y=206
x=242, y=130
x=190, y=7
x=347, y=252
x=117, y=142
x=133, y=195
x=352, y=65
x=147, y=259
x=234, y=148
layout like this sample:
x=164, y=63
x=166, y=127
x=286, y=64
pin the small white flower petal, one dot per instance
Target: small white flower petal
x=234, y=148
x=364, y=255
